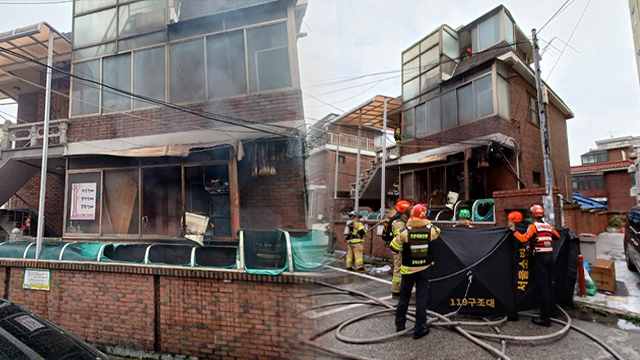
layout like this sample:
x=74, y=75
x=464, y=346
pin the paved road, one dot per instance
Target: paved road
x=445, y=344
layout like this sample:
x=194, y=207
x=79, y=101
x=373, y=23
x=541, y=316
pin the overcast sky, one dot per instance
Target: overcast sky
x=350, y=38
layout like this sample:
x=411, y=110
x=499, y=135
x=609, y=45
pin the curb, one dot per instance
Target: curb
x=610, y=310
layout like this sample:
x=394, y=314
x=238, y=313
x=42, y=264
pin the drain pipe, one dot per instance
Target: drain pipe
x=561, y=198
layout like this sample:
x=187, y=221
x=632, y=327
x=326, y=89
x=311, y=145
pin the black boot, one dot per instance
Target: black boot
x=542, y=322
x=395, y=296
x=400, y=328
x=417, y=334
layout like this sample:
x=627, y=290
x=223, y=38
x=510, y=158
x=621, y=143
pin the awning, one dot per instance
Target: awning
x=372, y=112
x=441, y=153
x=31, y=41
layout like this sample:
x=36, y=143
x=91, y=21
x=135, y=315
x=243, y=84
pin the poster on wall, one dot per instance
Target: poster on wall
x=83, y=201
x=36, y=279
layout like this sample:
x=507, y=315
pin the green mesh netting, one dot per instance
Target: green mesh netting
x=480, y=212
x=14, y=250
x=309, y=251
x=50, y=251
x=85, y=251
x=265, y=252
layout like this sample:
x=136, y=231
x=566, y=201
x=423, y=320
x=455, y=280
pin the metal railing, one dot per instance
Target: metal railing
x=30, y=135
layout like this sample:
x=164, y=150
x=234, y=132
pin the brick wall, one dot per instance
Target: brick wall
x=272, y=201
x=54, y=199
x=265, y=107
x=31, y=106
x=585, y=221
x=522, y=200
x=207, y=314
x=618, y=184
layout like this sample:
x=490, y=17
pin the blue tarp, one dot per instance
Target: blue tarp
x=586, y=202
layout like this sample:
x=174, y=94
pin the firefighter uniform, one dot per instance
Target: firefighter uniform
x=542, y=234
x=413, y=243
x=354, y=234
x=397, y=226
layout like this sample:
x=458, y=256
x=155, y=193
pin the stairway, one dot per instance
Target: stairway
x=371, y=181
x=13, y=175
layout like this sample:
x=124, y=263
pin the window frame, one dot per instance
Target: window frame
x=291, y=46
x=532, y=99
x=585, y=182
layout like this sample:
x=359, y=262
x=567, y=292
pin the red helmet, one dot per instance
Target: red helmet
x=515, y=216
x=419, y=212
x=537, y=211
x=402, y=206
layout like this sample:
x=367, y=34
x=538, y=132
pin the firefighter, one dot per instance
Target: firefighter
x=354, y=234
x=541, y=235
x=413, y=243
x=392, y=227
x=465, y=216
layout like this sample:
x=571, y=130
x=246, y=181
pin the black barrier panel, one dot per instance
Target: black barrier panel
x=487, y=254
x=126, y=253
x=218, y=256
x=170, y=254
x=565, y=272
x=265, y=249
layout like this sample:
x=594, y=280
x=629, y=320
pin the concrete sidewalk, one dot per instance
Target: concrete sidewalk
x=610, y=246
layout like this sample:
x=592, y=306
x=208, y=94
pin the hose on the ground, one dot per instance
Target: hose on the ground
x=438, y=320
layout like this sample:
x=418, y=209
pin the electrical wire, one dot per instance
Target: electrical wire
x=554, y=15
x=568, y=41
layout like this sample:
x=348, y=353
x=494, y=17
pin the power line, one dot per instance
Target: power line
x=568, y=41
x=554, y=15
x=39, y=2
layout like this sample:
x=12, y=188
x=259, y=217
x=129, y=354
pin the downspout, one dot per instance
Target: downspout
x=561, y=199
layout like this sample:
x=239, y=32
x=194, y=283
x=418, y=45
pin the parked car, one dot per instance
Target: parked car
x=27, y=336
x=632, y=239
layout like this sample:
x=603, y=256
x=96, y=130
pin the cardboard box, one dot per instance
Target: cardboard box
x=603, y=273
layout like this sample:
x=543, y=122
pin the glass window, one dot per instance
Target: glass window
x=147, y=64
x=429, y=42
x=116, y=73
x=141, y=41
x=433, y=116
x=411, y=89
x=465, y=104
x=226, y=65
x=484, y=96
x=504, y=102
x=429, y=59
x=421, y=120
x=82, y=6
x=449, y=114
x=488, y=32
x=186, y=71
x=410, y=69
x=508, y=29
x=533, y=110
x=83, y=214
x=408, y=120
x=633, y=180
x=86, y=96
x=121, y=203
x=268, y=49
x=430, y=80
x=94, y=28
x=449, y=45
x=90, y=52
x=141, y=17
x=410, y=54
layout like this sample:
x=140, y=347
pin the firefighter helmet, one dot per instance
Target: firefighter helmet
x=465, y=214
x=537, y=211
x=352, y=214
x=419, y=212
x=402, y=206
x=515, y=216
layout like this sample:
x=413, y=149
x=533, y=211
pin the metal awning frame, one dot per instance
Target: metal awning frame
x=370, y=113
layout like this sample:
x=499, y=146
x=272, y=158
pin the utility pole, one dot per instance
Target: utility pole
x=544, y=134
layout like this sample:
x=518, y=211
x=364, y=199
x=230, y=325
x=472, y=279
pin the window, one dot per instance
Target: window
x=141, y=17
x=504, y=101
x=594, y=158
x=268, y=51
x=83, y=211
x=465, y=104
x=484, y=96
x=411, y=69
x=633, y=180
x=588, y=182
x=508, y=29
x=430, y=79
x=411, y=89
x=449, y=45
x=94, y=51
x=421, y=120
x=147, y=64
x=429, y=59
x=121, y=202
x=449, y=114
x=226, y=65
x=116, y=73
x=86, y=95
x=340, y=159
x=537, y=179
x=433, y=116
x=408, y=120
x=95, y=28
x=533, y=110
x=634, y=18
x=186, y=71
x=488, y=33
x=141, y=41
x=82, y=6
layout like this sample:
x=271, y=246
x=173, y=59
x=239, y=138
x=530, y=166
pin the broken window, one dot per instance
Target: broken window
x=86, y=96
x=147, y=64
x=207, y=191
x=94, y=28
x=268, y=51
x=226, y=72
x=121, y=203
x=117, y=74
x=186, y=71
x=162, y=201
x=141, y=17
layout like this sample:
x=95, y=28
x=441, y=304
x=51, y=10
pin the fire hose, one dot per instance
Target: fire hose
x=437, y=320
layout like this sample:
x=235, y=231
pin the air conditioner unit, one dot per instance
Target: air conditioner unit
x=633, y=192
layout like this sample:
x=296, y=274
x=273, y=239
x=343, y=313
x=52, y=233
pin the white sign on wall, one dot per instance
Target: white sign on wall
x=36, y=279
x=83, y=201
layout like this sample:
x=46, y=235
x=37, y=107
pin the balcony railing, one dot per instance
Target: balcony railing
x=31, y=135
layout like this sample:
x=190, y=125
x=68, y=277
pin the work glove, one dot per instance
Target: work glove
x=511, y=226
